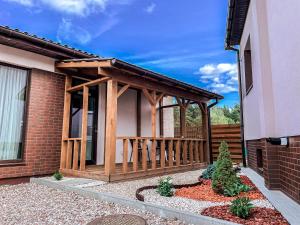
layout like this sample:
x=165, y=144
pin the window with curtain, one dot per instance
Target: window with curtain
x=13, y=83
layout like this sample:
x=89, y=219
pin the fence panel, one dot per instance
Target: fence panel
x=228, y=132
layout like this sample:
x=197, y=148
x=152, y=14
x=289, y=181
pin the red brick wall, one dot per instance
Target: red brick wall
x=43, y=127
x=281, y=165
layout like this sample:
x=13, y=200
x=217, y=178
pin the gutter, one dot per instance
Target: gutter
x=211, y=157
x=241, y=104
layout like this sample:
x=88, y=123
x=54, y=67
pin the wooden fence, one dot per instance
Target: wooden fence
x=229, y=133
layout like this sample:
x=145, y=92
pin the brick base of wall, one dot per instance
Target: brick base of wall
x=43, y=128
x=281, y=165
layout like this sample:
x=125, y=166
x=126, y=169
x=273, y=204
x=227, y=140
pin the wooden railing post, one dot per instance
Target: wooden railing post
x=125, y=155
x=85, y=100
x=66, y=122
x=111, y=125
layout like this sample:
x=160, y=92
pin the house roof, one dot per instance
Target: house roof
x=236, y=18
x=147, y=74
x=33, y=43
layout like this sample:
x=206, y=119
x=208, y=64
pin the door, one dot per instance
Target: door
x=76, y=119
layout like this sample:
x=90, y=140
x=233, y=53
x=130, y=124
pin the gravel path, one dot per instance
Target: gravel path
x=32, y=204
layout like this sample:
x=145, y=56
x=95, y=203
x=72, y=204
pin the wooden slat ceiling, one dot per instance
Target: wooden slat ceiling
x=237, y=14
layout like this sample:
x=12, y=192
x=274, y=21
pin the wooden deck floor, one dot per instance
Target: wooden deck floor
x=97, y=171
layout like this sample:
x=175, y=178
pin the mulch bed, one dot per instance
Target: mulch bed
x=258, y=216
x=204, y=192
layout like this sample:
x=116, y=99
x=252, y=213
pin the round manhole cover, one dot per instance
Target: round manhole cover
x=123, y=219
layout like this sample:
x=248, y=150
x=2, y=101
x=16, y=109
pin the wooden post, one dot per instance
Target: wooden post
x=66, y=122
x=203, y=108
x=111, y=125
x=182, y=121
x=183, y=104
x=85, y=105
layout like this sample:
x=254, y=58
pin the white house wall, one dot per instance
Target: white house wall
x=284, y=34
x=270, y=108
x=127, y=122
x=26, y=59
x=253, y=102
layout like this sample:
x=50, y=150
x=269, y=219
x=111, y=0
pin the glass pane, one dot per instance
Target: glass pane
x=76, y=120
x=12, y=104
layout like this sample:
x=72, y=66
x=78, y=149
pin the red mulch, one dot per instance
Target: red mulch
x=258, y=216
x=204, y=192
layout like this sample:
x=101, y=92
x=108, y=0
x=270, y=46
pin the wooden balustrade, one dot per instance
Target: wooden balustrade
x=147, y=153
x=71, y=146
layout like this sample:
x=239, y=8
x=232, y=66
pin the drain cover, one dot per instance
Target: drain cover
x=121, y=219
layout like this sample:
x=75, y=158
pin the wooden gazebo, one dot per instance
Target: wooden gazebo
x=167, y=154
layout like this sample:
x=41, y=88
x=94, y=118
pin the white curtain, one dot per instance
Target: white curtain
x=12, y=103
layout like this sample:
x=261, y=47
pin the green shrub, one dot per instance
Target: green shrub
x=165, y=187
x=236, y=189
x=57, y=175
x=241, y=207
x=224, y=177
x=207, y=174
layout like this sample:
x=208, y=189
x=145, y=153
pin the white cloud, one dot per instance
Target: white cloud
x=221, y=78
x=150, y=8
x=69, y=32
x=22, y=2
x=74, y=7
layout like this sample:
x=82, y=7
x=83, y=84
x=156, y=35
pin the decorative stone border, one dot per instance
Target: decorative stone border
x=141, y=198
x=165, y=212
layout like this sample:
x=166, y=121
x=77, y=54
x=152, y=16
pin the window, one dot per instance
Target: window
x=13, y=83
x=248, y=67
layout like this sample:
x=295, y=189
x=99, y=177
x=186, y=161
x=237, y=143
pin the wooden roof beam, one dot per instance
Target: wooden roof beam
x=144, y=83
x=84, y=64
x=88, y=84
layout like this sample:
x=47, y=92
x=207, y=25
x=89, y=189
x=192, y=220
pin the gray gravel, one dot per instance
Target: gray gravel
x=32, y=204
x=129, y=188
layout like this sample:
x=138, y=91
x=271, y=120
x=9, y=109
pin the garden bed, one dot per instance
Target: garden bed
x=204, y=192
x=258, y=216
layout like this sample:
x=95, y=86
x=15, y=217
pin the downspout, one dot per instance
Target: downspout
x=211, y=157
x=241, y=104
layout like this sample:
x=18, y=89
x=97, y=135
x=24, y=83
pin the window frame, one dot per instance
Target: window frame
x=21, y=161
x=248, y=65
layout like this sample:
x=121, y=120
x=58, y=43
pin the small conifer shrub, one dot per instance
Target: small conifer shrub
x=224, y=176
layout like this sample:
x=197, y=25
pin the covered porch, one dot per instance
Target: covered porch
x=123, y=107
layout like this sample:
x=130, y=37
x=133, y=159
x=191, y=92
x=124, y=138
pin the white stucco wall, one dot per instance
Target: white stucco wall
x=168, y=118
x=26, y=59
x=127, y=122
x=270, y=108
x=284, y=33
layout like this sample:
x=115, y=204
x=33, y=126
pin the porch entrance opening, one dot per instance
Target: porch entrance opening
x=76, y=120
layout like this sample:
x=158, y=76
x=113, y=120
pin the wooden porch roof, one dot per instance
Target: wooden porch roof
x=153, y=79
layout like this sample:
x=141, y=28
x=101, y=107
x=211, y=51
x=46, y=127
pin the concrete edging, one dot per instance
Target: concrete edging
x=165, y=212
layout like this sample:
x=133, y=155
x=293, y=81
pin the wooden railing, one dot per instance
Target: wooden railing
x=71, y=146
x=146, y=153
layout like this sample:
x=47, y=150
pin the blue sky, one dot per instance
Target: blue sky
x=181, y=39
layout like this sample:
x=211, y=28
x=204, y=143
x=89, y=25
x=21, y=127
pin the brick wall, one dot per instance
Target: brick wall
x=281, y=165
x=43, y=127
